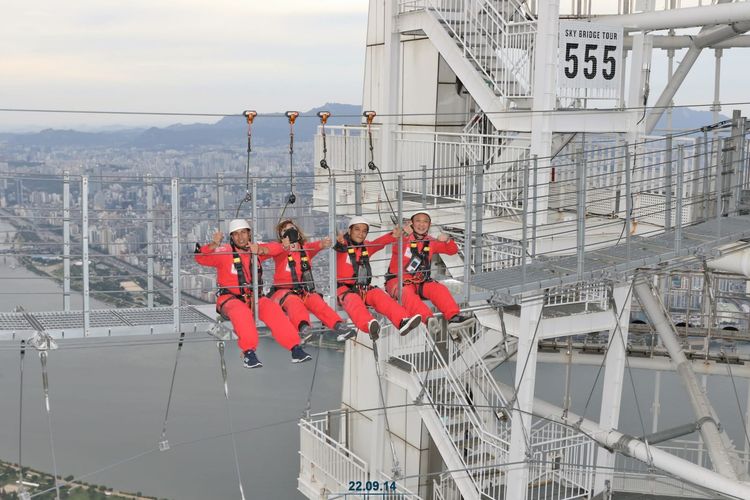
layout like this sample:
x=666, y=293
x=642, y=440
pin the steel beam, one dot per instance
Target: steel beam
x=704, y=412
x=635, y=448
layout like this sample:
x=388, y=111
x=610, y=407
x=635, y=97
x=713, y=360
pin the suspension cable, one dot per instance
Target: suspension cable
x=164, y=442
x=292, y=116
x=249, y=116
x=21, y=488
x=222, y=361
x=308, y=406
x=45, y=383
x=324, y=115
x=370, y=115
x=395, y=470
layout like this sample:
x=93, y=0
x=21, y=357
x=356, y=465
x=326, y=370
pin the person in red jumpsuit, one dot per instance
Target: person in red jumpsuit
x=293, y=286
x=234, y=300
x=354, y=275
x=418, y=285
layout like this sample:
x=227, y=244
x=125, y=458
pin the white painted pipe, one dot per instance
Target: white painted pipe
x=664, y=364
x=685, y=42
x=704, y=412
x=632, y=447
x=734, y=262
x=680, y=18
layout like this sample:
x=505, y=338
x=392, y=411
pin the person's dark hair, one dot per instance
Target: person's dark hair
x=280, y=226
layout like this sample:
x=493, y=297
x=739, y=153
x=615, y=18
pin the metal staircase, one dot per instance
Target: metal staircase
x=467, y=417
x=495, y=37
x=459, y=412
x=489, y=45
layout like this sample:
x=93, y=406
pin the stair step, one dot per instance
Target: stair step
x=400, y=364
x=479, y=458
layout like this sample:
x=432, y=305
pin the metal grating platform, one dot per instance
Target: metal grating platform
x=612, y=262
x=14, y=322
x=104, y=322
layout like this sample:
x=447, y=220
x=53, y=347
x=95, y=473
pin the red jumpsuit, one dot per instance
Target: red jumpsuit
x=239, y=312
x=297, y=303
x=355, y=301
x=420, y=283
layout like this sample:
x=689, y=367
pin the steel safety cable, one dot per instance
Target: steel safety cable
x=222, y=361
x=370, y=115
x=736, y=397
x=164, y=442
x=249, y=117
x=395, y=470
x=45, y=384
x=578, y=112
x=514, y=398
x=324, y=115
x=604, y=358
x=312, y=386
x=20, y=421
x=292, y=116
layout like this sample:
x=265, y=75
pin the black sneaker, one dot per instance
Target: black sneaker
x=299, y=356
x=373, y=328
x=250, y=360
x=409, y=324
x=344, y=332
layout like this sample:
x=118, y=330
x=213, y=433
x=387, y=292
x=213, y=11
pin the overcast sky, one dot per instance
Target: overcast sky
x=222, y=56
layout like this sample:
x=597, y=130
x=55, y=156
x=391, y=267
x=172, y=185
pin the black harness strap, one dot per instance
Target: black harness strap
x=246, y=292
x=422, y=273
x=362, y=271
x=306, y=284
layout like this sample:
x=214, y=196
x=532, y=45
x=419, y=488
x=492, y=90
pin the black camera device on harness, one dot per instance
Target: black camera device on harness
x=418, y=266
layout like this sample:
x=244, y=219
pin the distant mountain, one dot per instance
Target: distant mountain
x=229, y=131
x=268, y=129
x=687, y=119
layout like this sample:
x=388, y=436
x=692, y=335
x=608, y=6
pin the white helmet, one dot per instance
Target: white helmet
x=358, y=219
x=421, y=212
x=237, y=224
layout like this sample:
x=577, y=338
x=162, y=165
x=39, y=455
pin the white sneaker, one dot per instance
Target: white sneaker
x=433, y=326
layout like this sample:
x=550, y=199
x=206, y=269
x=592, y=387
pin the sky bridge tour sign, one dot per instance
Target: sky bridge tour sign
x=590, y=58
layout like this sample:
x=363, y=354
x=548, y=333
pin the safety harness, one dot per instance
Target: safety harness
x=362, y=271
x=419, y=266
x=299, y=286
x=245, y=289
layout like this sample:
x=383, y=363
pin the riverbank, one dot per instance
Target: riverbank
x=42, y=485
